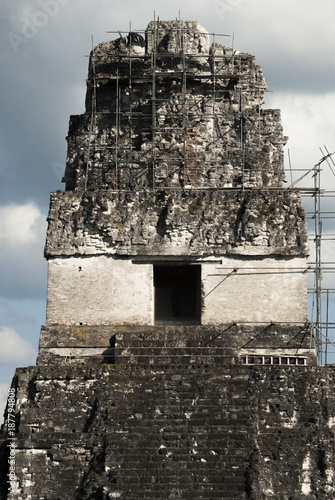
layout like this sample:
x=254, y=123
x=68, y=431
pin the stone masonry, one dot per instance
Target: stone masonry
x=175, y=431
x=176, y=360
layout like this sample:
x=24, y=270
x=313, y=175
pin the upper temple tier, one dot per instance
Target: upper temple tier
x=173, y=108
x=174, y=211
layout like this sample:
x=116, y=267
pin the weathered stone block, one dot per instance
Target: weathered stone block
x=177, y=223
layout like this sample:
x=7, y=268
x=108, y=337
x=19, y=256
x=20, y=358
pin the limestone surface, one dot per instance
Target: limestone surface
x=185, y=223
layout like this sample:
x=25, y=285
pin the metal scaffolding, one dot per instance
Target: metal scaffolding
x=321, y=317
x=154, y=126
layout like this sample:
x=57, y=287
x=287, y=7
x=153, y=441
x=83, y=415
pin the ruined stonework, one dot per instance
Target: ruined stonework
x=197, y=223
x=150, y=104
x=178, y=430
x=176, y=360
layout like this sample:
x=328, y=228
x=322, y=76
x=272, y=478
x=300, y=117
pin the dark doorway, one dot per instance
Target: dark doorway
x=177, y=294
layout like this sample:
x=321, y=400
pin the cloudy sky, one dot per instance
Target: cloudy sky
x=43, y=71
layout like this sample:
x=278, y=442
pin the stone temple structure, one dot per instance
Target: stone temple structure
x=176, y=361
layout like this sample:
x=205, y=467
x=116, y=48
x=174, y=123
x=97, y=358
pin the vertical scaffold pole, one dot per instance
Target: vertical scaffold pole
x=241, y=123
x=117, y=126
x=214, y=98
x=93, y=116
x=154, y=118
x=130, y=116
x=318, y=275
x=184, y=93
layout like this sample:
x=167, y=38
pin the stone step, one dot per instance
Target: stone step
x=178, y=359
x=173, y=350
x=224, y=493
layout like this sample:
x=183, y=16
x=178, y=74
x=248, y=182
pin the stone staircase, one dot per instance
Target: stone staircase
x=170, y=345
x=135, y=430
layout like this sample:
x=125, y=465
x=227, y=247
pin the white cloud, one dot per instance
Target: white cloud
x=22, y=236
x=15, y=349
x=288, y=26
x=20, y=224
x=308, y=121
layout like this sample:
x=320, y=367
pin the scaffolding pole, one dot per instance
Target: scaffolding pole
x=93, y=117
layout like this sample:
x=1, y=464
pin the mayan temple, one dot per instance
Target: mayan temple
x=176, y=361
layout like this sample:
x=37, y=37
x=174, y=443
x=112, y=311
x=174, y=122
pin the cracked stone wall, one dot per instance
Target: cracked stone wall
x=177, y=223
x=181, y=430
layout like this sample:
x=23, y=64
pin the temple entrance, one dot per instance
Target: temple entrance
x=177, y=294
